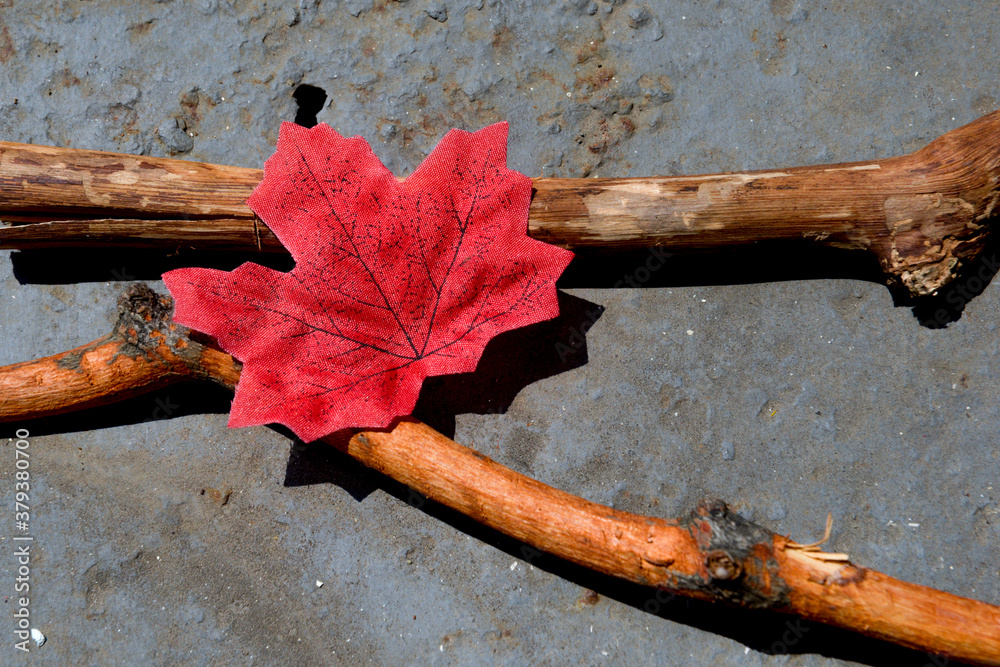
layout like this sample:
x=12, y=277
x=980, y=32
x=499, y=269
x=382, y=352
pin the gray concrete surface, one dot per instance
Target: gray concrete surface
x=789, y=391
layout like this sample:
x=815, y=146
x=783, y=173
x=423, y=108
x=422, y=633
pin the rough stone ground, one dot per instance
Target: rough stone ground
x=790, y=386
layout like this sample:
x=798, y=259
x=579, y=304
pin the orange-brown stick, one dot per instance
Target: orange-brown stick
x=710, y=554
x=145, y=351
x=920, y=215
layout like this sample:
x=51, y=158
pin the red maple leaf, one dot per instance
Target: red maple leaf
x=393, y=281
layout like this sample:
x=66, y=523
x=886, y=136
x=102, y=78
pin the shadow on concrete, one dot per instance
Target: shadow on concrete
x=178, y=400
x=491, y=389
x=510, y=362
x=947, y=306
x=757, y=263
x=61, y=266
x=738, y=265
x=778, y=262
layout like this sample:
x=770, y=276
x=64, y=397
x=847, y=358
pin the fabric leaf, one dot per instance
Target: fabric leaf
x=393, y=281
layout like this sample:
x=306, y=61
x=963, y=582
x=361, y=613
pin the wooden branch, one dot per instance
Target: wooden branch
x=921, y=215
x=42, y=180
x=144, y=351
x=239, y=234
x=710, y=554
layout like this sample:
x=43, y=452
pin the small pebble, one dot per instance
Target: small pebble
x=437, y=11
x=728, y=451
x=173, y=136
x=638, y=16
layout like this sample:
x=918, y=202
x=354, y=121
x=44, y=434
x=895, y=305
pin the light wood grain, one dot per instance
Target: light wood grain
x=922, y=216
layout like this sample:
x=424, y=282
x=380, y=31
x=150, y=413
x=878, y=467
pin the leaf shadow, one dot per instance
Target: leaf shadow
x=510, y=362
x=320, y=463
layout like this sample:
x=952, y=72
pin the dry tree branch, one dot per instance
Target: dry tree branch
x=920, y=215
x=711, y=554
